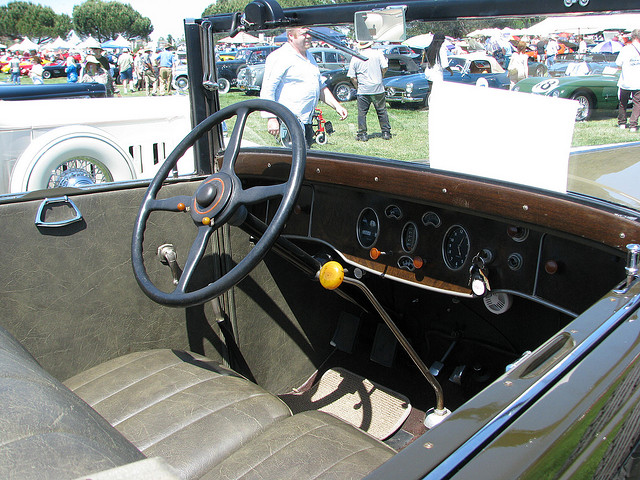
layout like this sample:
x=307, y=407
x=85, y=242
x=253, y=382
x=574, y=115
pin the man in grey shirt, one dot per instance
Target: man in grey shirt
x=367, y=76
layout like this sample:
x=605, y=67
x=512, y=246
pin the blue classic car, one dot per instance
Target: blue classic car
x=59, y=90
x=478, y=69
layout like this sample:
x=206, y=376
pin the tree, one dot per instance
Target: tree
x=107, y=20
x=229, y=6
x=19, y=19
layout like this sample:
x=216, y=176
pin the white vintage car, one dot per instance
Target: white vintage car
x=76, y=142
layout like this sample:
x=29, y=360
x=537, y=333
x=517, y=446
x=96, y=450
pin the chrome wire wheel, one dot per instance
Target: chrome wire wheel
x=77, y=172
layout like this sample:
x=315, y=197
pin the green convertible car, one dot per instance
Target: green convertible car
x=591, y=91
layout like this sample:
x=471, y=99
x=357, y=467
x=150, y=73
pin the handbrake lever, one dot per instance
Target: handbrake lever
x=331, y=275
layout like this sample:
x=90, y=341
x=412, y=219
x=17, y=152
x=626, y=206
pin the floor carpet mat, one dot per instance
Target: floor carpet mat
x=354, y=399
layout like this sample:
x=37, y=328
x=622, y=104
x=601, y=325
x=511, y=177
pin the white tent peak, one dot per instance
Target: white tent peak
x=24, y=46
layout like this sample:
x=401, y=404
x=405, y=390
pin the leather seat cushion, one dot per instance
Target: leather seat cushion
x=178, y=405
x=309, y=445
x=47, y=431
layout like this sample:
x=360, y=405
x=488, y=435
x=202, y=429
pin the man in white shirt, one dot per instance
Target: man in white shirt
x=551, y=50
x=366, y=76
x=292, y=78
x=629, y=82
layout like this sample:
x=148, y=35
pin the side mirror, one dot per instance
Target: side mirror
x=383, y=25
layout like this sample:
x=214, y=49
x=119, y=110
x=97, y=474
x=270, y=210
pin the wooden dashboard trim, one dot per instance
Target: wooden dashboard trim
x=468, y=194
x=412, y=278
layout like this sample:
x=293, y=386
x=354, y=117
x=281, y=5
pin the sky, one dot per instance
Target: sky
x=166, y=15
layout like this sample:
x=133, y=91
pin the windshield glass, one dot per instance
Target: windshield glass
x=480, y=59
x=469, y=129
x=243, y=54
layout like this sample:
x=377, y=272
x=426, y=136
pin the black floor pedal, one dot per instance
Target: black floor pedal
x=345, y=335
x=384, y=346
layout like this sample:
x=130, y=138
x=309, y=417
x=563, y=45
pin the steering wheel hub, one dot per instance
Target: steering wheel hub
x=212, y=196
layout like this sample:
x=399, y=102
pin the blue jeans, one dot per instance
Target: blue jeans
x=15, y=77
x=285, y=138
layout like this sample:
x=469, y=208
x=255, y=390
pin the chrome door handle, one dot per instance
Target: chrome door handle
x=47, y=203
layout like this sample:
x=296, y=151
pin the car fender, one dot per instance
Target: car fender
x=44, y=154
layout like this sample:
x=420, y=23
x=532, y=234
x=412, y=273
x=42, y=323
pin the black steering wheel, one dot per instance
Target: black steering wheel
x=218, y=200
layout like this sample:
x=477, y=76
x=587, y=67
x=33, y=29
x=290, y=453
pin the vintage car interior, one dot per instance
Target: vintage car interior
x=294, y=313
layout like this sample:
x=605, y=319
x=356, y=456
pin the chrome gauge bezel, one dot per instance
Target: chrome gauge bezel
x=358, y=229
x=451, y=236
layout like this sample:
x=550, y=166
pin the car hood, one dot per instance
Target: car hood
x=401, y=81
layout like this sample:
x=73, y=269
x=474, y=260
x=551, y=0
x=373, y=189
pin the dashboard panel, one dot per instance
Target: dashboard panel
x=434, y=247
x=542, y=247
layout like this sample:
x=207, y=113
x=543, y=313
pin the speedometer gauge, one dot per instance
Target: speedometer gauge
x=368, y=228
x=455, y=247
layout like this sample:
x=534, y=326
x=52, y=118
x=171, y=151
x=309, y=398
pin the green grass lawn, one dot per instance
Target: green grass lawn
x=409, y=128
x=410, y=131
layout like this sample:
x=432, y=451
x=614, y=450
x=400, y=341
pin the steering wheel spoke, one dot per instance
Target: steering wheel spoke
x=196, y=252
x=233, y=145
x=215, y=202
x=259, y=194
x=173, y=204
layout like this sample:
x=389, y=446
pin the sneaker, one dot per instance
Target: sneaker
x=386, y=135
x=633, y=129
x=622, y=126
x=362, y=137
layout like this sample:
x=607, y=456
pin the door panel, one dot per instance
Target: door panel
x=69, y=294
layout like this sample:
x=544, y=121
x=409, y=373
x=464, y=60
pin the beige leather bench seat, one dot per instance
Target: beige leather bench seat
x=203, y=419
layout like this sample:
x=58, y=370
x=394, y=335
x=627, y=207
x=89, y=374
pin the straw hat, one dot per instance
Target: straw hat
x=91, y=59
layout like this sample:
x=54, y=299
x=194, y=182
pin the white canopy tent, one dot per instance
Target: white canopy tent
x=58, y=44
x=585, y=24
x=494, y=32
x=119, y=42
x=24, y=46
x=89, y=42
x=240, y=37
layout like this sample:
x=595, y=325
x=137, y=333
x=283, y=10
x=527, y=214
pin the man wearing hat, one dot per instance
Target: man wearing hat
x=366, y=76
x=166, y=61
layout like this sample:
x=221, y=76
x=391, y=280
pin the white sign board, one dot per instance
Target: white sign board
x=500, y=134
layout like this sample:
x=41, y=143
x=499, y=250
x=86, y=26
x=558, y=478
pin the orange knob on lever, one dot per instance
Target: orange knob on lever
x=374, y=253
x=331, y=275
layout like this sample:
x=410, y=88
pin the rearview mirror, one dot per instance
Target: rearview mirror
x=384, y=25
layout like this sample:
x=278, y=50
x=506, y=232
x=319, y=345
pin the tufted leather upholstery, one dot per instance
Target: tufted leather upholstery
x=179, y=406
x=205, y=420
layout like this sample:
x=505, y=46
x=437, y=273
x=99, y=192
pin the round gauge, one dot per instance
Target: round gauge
x=455, y=247
x=368, y=228
x=409, y=238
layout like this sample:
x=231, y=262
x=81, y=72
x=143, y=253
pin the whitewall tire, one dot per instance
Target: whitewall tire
x=74, y=155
